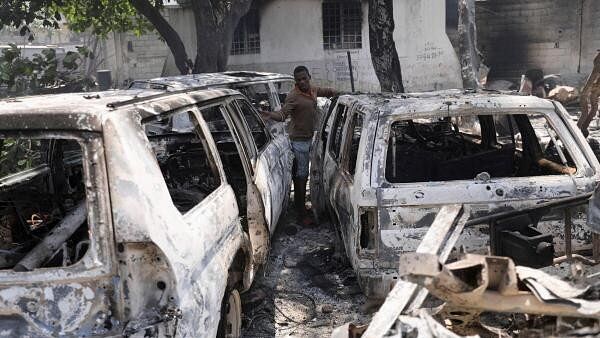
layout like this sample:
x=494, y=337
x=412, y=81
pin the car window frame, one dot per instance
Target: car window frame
x=208, y=144
x=260, y=121
x=552, y=118
x=97, y=260
x=334, y=124
x=348, y=135
x=240, y=145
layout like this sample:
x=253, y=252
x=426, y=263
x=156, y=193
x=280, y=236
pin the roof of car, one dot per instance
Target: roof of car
x=406, y=104
x=83, y=111
x=207, y=80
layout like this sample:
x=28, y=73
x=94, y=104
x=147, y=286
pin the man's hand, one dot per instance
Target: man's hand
x=265, y=115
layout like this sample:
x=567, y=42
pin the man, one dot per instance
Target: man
x=589, y=97
x=301, y=106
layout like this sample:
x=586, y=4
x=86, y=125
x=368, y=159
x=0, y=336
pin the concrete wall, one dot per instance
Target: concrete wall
x=427, y=57
x=291, y=34
x=287, y=39
x=132, y=57
x=517, y=35
x=43, y=36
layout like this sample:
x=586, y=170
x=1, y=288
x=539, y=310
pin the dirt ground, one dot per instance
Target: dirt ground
x=303, y=291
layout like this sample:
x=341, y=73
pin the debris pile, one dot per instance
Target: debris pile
x=305, y=290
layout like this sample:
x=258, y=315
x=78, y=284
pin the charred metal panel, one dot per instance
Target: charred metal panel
x=198, y=253
x=74, y=300
x=491, y=283
x=68, y=308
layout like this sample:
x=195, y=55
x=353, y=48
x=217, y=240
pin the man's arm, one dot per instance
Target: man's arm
x=286, y=110
x=272, y=115
x=326, y=92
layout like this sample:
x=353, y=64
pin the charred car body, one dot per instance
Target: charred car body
x=134, y=213
x=383, y=166
x=267, y=90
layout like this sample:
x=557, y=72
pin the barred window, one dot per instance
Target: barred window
x=342, y=25
x=246, y=38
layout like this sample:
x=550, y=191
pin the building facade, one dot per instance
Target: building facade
x=277, y=35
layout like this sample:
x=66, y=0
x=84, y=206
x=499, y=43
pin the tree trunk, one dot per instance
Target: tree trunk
x=383, y=49
x=167, y=32
x=467, y=35
x=216, y=21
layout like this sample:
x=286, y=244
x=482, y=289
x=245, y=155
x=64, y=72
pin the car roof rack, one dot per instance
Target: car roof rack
x=137, y=98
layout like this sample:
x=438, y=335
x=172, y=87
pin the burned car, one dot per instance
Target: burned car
x=134, y=213
x=265, y=90
x=384, y=165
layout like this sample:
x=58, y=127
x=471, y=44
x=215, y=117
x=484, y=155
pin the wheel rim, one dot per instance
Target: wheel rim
x=233, y=316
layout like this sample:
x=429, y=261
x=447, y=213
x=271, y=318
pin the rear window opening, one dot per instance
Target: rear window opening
x=283, y=89
x=43, y=217
x=229, y=155
x=184, y=157
x=463, y=147
x=258, y=94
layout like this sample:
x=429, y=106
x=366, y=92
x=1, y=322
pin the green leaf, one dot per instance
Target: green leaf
x=70, y=60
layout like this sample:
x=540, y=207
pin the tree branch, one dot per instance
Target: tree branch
x=167, y=32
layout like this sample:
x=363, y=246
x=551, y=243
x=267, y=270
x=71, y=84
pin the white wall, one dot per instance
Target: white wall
x=291, y=34
x=131, y=57
x=426, y=55
x=427, y=58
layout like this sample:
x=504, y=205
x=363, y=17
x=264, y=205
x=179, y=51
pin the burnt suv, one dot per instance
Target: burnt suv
x=134, y=213
x=384, y=165
x=267, y=90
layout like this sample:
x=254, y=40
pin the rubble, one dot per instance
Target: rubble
x=564, y=94
x=472, y=288
x=494, y=283
x=307, y=298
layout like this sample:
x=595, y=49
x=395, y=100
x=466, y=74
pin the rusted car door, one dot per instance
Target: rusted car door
x=271, y=158
x=344, y=186
x=317, y=158
x=332, y=164
x=192, y=176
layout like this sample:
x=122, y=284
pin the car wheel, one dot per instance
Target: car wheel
x=230, y=324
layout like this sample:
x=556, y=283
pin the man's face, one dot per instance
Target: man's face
x=302, y=81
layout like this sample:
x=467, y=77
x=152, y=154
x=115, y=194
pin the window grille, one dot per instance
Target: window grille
x=342, y=25
x=246, y=38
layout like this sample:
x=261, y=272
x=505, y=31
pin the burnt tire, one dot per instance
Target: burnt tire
x=230, y=324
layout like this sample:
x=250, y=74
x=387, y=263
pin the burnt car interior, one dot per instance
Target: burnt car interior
x=184, y=158
x=229, y=153
x=43, y=219
x=283, y=89
x=258, y=94
x=461, y=148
